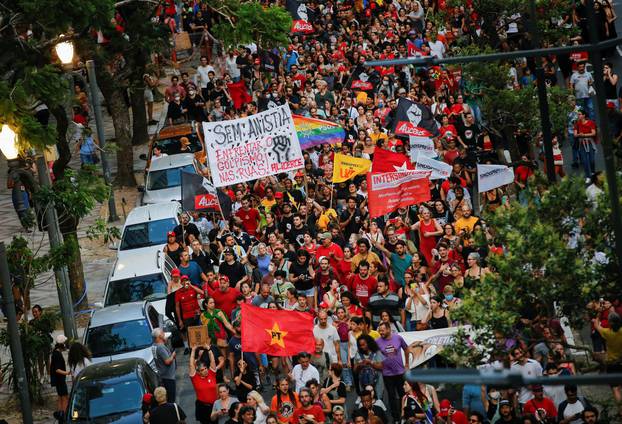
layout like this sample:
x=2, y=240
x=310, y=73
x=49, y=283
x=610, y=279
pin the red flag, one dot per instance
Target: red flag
x=388, y=161
x=239, y=94
x=301, y=26
x=362, y=85
x=277, y=333
x=391, y=190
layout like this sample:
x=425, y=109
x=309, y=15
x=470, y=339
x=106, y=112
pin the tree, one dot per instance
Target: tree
x=558, y=256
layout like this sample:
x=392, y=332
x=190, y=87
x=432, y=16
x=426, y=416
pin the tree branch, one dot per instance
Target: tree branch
x=124, y=2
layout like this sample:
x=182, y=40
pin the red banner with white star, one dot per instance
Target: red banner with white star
x=277, y=333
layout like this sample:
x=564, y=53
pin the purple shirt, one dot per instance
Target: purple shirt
x=392, y=348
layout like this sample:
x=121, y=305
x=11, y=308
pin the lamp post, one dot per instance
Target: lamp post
x=8, y=146
x=64, y=51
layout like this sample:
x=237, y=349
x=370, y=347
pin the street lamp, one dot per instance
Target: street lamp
x=64, y=51
x=8, y=143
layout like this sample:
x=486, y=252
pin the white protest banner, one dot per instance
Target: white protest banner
x=440, y=170
x=253, y=147
x=428, y=343
x=493, y=176
x=421, y=145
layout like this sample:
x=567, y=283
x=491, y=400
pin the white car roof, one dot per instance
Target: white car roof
x=172, y=161
x=136, y=263
x=153, y=212
x=117, y=313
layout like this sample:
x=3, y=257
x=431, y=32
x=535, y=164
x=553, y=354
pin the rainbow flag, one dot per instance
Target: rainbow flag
x=313, y=132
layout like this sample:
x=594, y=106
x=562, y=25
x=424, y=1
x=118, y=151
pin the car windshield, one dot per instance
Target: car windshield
x=148, y=287
x=117, y=338
x=146, y=234
x=167, y=178
x=172, y=146
x=93, y=399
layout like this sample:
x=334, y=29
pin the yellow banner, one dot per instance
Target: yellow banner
x=347, y=167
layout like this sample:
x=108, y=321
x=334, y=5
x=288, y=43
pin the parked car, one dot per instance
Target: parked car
x=146, y=226
x=163, y=180
x=122, y=331
x=111, y=392
x=168, y=139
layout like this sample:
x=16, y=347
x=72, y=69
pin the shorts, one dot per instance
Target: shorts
x=190, y=322
x=308, y=293
x=202, y=412
x=61, y=388
x=148, y=95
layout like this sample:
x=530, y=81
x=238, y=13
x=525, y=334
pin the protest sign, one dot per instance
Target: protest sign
x=428, y=343
x=421, y=146
x=197, y=335
x=493, y=176
x=391, y=190
x=440, y=170
x=253, y=147
x=347, y=167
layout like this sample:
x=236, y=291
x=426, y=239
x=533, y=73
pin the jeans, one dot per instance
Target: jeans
x=394, y=389
x=348, y=379
x=588, y=105
x=587, y=160
x=171, y=388
x=575, y=148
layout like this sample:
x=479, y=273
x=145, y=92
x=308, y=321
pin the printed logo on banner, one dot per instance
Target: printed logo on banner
x=252, y=147
x=421, y=146
x=407, y=128
x=205, y=201
x=440, y=170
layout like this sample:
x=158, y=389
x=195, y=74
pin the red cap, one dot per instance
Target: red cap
x=299, y=173
x=611, y=105
x=147, y=398
x=171, y=234
x=176, y=272
x=184, y=278
x=257, y=61
x=278, y=195
x=444, y=406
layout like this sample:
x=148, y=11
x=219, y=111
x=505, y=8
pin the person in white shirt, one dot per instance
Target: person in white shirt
x=202, y=76
x=232, y=66
x=323, y=330
x=528, y=368
x=437, y=48
x=304, y=371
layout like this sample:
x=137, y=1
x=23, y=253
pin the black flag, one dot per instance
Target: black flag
x=415, y=113
x=199, y=194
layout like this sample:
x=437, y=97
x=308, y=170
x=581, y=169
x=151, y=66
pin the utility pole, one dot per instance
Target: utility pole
x=99, y=123
x=17, y=355
x=545, y=118
x=56, y=240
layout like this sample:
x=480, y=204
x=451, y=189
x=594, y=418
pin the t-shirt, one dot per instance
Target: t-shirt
x=205, y=388
x=314, y=410
x=399, y=266
x=547, y=404
x=330, y=336
x=225, y=300
x=187, y=300
x=391, y=349
x=531, y=369
x=389, y=302
x=193, y=271
x=57, y=362
x=370, y=257
x=249, y=220
x=325, y=251
x=465, y=224
x=363, y=288
x=234, y=272
x=614, y=344
x=161, y=354
x=166, y=413
x=580, y=83
x=285, y=410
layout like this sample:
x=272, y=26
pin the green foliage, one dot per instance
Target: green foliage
x=36, y=342
x=250, y=22
x=56, y=17
x=100, y=230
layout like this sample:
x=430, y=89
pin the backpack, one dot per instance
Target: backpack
x=368, y=377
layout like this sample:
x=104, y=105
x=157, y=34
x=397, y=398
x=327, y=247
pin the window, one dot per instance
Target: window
x=118, y=338
x=154, y=317
x=172, y=146
x=167, y=178
x=95, y=399
x=151, y=233
x=148, y=287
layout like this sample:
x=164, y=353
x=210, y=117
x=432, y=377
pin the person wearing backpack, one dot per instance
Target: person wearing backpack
x=165, y=412
x=165, y=364
x=367, y=363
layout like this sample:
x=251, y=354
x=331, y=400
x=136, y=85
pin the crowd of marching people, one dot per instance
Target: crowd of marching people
x=302, y=242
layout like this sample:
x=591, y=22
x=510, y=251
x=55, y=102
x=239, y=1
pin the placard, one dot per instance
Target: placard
x=253, y=147
x=197, y=335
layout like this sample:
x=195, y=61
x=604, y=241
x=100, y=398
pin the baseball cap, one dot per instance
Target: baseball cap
x=257, y=61
x=299, y=173
x=184, y=278
x=278, y=195
x=444, y=408
x=537, y=388
x=228, y=251
x=147, y=398
x=338, y=408
x=176, y=272
x=171, y=233
x=504, y=402
x=611, y=105
x=401, y=91
x=325, y=235
x=61, y=338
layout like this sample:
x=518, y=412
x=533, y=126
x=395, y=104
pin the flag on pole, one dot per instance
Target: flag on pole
x=389, y=191
x=388, y=161
x=421, y=146
x=300, y=16
x=415, y=113
x=440, y=170
x=199, y=194
x=276, y=332
x=346, y=167
x=493, y=176
x=313, y=132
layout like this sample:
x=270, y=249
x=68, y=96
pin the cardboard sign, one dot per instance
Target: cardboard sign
x=197, y=335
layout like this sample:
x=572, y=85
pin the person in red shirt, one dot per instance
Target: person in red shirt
x=363, y=284
x=328, y=249
x=308, y=412
x=538, y=403
x=451, y=414
x=249, y=216
x=187, y=308
x=204, y=382
x=585, y=134
x=284, y=402
x=225, y=297
x=523, y=172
